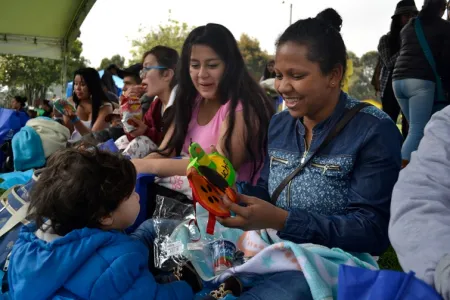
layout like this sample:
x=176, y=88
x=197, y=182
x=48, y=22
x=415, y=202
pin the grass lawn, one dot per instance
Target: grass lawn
x=389, y=261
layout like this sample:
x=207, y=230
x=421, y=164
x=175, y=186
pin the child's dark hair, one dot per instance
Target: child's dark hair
x=324, y=43
x=166, y=57
x=79, y=187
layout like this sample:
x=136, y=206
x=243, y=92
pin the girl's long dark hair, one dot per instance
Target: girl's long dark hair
x=431, y=10
x=108, y=82
x=236, y=85
x=394, y=34
x=93, y=82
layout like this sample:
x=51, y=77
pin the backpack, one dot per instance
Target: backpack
x=13, y=215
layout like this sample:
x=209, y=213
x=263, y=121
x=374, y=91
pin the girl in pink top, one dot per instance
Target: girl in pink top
x=218, y=104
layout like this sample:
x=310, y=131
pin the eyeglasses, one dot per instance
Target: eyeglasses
x=144, y=71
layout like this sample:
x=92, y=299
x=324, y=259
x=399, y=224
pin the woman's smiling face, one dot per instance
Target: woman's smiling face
x=301, y=83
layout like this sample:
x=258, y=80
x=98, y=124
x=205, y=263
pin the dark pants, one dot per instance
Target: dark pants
x=289, y=285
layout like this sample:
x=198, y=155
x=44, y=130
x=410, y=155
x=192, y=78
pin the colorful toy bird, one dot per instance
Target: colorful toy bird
x=211, y=177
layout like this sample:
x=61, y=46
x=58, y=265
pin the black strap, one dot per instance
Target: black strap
x=349, y=114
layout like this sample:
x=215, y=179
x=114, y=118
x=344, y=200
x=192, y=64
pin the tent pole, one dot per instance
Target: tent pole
x=64, y=70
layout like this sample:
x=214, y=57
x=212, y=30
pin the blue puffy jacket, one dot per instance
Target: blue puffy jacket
x=85, y=264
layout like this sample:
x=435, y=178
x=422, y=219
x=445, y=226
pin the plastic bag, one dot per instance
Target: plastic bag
x=172, y=250
x=170, y=213
x=130, y=108
x=209, y=254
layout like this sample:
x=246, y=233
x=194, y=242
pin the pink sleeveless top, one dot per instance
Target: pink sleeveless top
x=208, y=135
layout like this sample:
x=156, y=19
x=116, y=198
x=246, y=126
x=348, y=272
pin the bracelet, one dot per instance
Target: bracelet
x=74, y=120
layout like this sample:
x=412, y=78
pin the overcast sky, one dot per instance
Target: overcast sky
x=112, y=24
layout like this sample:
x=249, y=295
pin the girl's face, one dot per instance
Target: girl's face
x=127, y=212
x=155, y=81
x=80, y=88
x=206, y=70
x=270, y=67
x=304, y=88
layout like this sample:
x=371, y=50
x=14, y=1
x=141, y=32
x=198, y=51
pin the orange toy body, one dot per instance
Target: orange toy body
x=208, y=195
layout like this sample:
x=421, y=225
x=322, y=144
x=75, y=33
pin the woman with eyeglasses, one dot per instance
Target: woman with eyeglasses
x=158, y=78
x=217, y=103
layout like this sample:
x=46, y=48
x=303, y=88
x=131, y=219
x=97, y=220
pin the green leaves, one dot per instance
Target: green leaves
x=36, y=75
x=171, y=35
x=116, y=60
x=255, y=58
x=360, y=85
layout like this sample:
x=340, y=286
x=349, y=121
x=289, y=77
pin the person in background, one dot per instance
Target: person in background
x=18, y=103
x=114, y=131
x=131, y=78
x=114, y=70
x=91, y=103
x=48, y=108
x=414, y=81
x=419, y=229
x=80, y=206
x=268, y=70
x=109, y=87
x=158, y=76
x=388, y=50
x=217, y=103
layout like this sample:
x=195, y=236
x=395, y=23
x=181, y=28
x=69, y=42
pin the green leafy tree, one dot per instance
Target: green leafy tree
x=75, y=59
x=35, y=75
x=171, y=35
x=360, y=85
x=116, y=60
x=254, y=57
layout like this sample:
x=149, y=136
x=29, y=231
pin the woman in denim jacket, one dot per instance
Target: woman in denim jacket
x=342, y=196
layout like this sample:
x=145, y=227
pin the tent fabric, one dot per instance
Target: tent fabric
x=24, y=30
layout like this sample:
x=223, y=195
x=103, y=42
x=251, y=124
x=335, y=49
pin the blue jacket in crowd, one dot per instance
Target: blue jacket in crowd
x=85, y=264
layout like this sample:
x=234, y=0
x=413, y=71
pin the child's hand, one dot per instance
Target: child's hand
x=140, y=126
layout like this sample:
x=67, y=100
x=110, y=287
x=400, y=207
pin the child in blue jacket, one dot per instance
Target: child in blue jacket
x=75, y=248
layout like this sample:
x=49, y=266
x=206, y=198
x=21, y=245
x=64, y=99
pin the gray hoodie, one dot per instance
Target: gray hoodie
x=419, y=228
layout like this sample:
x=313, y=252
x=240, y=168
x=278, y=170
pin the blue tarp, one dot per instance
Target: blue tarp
x=14, y=178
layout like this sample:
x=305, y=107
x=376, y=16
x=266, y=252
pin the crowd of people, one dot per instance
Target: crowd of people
x=326, y=171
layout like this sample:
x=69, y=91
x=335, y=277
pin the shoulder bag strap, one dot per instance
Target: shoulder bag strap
x=429, y=56
x=349, y=114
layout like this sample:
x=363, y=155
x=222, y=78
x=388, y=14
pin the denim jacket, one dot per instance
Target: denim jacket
x=342, y=196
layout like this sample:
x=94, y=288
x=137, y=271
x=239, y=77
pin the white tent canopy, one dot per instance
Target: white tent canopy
x=43, y=28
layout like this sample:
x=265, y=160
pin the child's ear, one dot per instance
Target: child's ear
x=107, y=221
